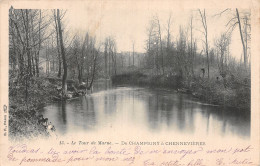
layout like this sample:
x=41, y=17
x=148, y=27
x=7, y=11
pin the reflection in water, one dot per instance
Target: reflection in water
x=145, y=109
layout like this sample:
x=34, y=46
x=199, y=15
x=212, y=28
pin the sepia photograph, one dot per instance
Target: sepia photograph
x=157, y=72
x=175, y=76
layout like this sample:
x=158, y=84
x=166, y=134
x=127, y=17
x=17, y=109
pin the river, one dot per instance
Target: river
x=145, y=109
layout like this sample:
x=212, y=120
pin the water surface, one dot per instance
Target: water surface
x=144, y=109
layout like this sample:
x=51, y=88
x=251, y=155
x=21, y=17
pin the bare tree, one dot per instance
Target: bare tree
x=205, y=33
x=83, y=57
x=77, y=52
x=95, y=57
x=95, y=54
x=168, y=46
x=191, y=46
x=242, y=38
x=133, y=45
x=106, y=56
x=150, y=44
x=169, y=23
x=181, y=48
x=222, y=45
x=63, y=54
x=47, y=58
x=236, y=20
x=113, y=54
x=160, y=40
x=39, y=44
x=58, y=45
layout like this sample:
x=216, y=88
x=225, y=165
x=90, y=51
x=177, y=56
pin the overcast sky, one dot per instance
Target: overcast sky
x=128, y=22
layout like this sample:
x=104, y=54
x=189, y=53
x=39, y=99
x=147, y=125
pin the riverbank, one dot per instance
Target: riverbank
x=24, y=106
x=28, y=97
x=24, y=114
x=234, y=94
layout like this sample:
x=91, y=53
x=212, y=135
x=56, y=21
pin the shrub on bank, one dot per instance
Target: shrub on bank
x=25, y=99
x=214, y=91
x=23, y=124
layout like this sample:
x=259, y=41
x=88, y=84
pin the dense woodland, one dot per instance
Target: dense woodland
x=47, y=62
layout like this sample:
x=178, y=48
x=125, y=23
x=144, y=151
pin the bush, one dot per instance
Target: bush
x=231, y=92
x=23, y=110
x=23, y=124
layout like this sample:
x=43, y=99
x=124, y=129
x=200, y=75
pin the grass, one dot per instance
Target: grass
x=23, y=122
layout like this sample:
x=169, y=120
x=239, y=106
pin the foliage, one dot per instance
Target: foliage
x=26, y=97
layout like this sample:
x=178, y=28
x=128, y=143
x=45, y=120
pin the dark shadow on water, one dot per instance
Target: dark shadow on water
x=151, y=109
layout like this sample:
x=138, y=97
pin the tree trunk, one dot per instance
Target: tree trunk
x=207, y=52
x=58, y=45
x=79, y=75
x=168, y=39
x=105, y=56
x=93, y=73
x=133, y=54
x=53, y=57
x=33, y=52
x=64, y=78
x=206, y=36
x=191, y=48
x=204, y=22
x=47, y=61
x=157, y=57
x=242, y=39
x=26, y=26
x=109, y=63
x=38, y=52
x=160, y=38
x=14, y=48
x=115, y=63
